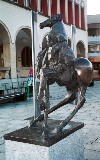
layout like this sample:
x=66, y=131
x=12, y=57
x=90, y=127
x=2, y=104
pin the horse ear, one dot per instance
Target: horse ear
x=57, y=17
x=41, y=27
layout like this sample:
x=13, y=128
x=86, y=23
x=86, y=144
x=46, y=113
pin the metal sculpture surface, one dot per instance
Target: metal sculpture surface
x=57, y=63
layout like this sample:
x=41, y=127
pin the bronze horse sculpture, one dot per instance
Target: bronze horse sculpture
x=63, y=68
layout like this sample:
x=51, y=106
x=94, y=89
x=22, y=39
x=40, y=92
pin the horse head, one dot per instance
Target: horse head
x=51, y=21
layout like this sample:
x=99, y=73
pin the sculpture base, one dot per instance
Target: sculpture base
x=29, y=144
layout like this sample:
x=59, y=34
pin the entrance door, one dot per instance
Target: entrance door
x=1, y=56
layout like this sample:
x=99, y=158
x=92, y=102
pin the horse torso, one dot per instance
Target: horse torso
x=62, y=55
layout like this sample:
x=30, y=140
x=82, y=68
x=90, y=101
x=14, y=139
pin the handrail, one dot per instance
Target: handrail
x=5, y=68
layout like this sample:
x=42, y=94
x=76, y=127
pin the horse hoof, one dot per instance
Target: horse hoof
x=57, y=130
x=32, y=124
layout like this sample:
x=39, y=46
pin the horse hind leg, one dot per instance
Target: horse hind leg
x=45, y=125
x=80, y=103
x=46, y=96
x=68, y=99
x=65, y=122
x=82, y=91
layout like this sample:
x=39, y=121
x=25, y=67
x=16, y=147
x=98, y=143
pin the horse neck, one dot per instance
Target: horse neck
x=57, y=24
x=58, y=30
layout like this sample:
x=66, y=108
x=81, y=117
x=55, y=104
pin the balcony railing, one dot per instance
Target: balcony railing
x=94, y=39
x=94, y=55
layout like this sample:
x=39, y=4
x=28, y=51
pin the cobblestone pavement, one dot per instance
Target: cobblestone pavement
x=15, y=115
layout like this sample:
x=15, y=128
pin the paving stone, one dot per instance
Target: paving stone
x=2, y=156
x=2, y=148
x=90, y=155
x=17, y=115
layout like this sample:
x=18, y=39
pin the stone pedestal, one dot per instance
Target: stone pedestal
x=29, y=144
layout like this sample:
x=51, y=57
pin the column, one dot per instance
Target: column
x=13, y=60
x=6, y=53
x=49, y=7
x=34, y=5
x=39, y=5
x=73, y=11
x=66, y=10
x=62, y=9
x=58, y=6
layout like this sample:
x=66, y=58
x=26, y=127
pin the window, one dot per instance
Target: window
x=1, y=56
x=93, y=48
x=26, y=57
x=70, y=12
x=77, y=15
x=93, y=32
x=27, y=3
x=82, y=19
x=95, y=66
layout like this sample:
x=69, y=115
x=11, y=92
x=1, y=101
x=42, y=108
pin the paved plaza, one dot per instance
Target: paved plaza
x=17, y=115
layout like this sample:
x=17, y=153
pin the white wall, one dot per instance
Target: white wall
x=16, y=18
x=13, y=18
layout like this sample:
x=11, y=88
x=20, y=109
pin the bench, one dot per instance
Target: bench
x=13, y=97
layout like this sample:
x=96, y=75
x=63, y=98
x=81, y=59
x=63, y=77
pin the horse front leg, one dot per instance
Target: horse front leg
x=45, y=126
x=46, y=97
x=42, y=90
x=43, y=97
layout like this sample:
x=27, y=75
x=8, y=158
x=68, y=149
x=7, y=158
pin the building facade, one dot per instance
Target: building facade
x=94, y=42
x=16, y=34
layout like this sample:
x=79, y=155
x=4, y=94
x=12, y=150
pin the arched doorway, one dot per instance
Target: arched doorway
x=1, y=55
x=80, y=49
x=26, y=57
x=4, y=52
x=23, y=52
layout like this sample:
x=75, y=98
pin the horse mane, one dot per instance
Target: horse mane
x=57, y=17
